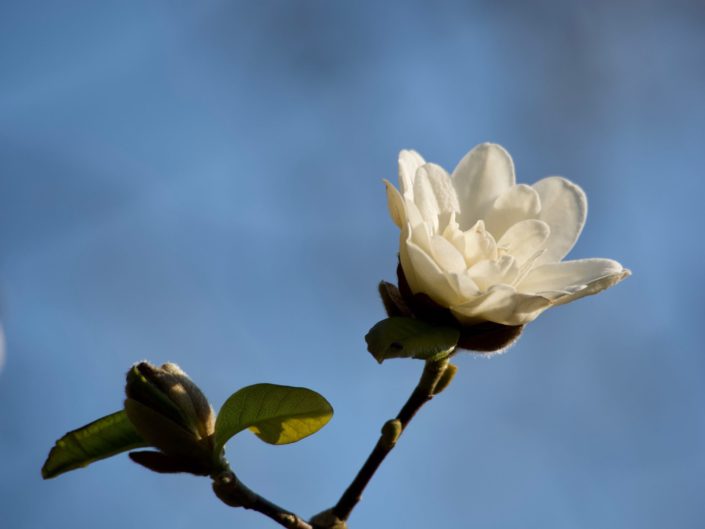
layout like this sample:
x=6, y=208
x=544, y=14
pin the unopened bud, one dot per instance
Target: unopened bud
x=171, y=413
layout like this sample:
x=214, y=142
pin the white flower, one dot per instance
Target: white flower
x=490, y=249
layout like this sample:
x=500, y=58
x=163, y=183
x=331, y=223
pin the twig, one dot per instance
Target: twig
x=424, y=391
x=236, y=494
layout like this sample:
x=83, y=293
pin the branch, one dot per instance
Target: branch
x=431, y=383
x=233, y=492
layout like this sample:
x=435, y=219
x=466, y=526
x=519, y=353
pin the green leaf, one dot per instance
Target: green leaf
x=100, y=439
x=276, y=414
x=410, y=338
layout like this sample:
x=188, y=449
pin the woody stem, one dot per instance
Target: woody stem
x=424, y=392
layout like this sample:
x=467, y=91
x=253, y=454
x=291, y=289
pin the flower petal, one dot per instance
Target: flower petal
x=594, y=287
x=413, y=215
x=527, y=266
x=448, y=227
x=463, y=285
x=446, y=255
x=479, y=244
x=519, y=202
x=488, y=273
x=564, y=209
x=404, y=258
x=428, y=278
x=447, y=224
x=409, y=162
x=395, y=203
x=501, y=304
x=524, y=239
x=442, y=186
x=425, y=198
x=482, y=175
x=575, y=279
x=421, y=237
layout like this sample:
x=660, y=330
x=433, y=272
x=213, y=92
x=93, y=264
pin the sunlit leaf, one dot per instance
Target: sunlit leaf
x=103, y=438
x=399, y=337
x=276, y=414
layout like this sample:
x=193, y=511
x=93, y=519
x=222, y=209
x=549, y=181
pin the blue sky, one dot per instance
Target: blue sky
x=202, y=183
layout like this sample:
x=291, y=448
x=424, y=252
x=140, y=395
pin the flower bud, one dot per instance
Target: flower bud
x=171, y=413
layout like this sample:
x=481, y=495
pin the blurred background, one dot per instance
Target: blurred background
x=201, y=182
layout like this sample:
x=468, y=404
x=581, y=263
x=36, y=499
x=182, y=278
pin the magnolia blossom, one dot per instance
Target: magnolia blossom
x=487, y=248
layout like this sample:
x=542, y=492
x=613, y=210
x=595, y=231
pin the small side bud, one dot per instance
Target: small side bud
x=230, y=491
x=447, y=376
x=328, y=520
x=391, y=432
